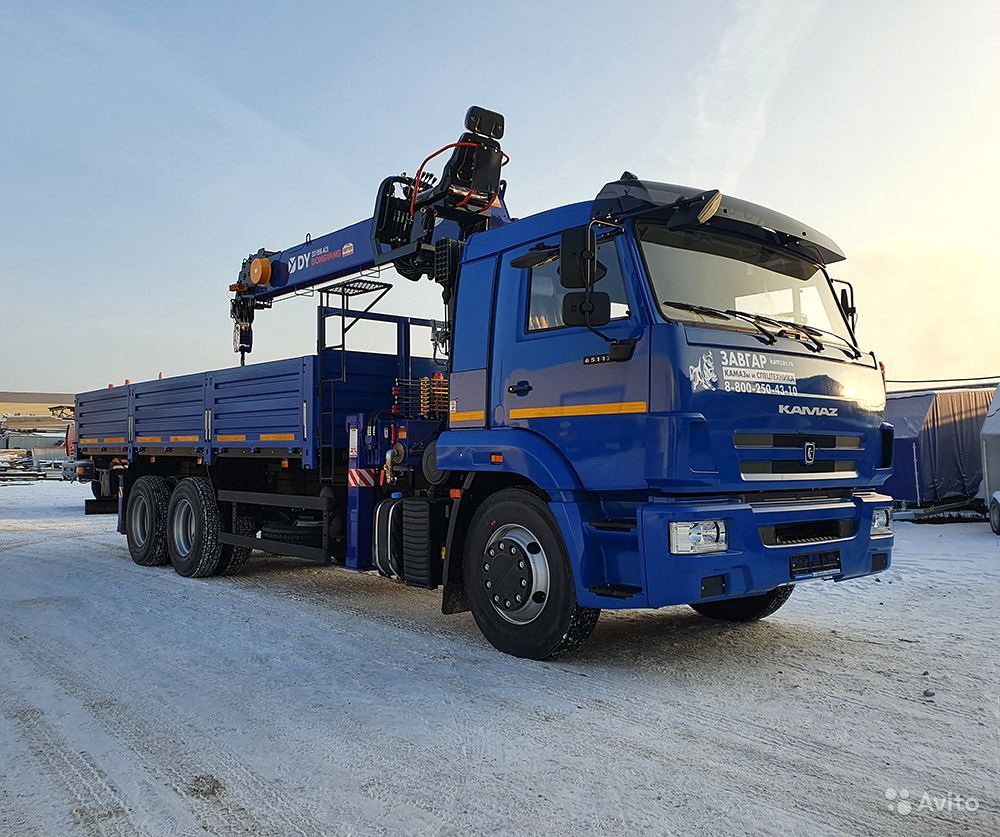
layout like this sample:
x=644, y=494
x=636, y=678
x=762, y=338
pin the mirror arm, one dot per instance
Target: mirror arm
x=599, y=333
x=586, y=315
x=592, y=266
x=621, y=350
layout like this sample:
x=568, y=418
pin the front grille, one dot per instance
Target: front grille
x=812, y=531
x=796, y=440
x=795, y=467
x=764, y=468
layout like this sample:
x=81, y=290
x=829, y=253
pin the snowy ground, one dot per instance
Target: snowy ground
x=304, y=700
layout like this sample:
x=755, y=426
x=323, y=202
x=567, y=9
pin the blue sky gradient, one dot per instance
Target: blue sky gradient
x=145, y=149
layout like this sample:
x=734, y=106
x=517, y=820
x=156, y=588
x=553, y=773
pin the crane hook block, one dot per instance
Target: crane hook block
x=260, y=271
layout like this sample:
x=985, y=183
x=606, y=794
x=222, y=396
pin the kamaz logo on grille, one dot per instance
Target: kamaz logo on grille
x=797, y=410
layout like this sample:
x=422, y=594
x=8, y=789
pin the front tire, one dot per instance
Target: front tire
x=748, y=608
x=193, y=525
x=995, y=516
x=519, y=580
x=146, y=521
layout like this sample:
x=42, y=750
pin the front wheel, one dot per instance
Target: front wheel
x=995, y=516
x=519, y=580
x=193, y=528
x=748, y=608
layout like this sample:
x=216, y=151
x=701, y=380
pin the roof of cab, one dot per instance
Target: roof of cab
x=633, y=197
x=630, y=196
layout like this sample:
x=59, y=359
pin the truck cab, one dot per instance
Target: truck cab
x=735, y=451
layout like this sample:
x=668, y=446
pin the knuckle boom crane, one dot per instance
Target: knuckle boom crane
x=418, y=226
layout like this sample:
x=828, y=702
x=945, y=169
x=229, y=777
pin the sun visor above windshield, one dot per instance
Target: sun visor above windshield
x=630, y=198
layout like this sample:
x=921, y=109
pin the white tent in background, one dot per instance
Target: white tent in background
x=990, y=438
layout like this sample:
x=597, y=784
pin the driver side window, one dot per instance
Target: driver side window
x=545, y=293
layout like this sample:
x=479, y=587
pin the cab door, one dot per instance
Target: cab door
x=554, y=380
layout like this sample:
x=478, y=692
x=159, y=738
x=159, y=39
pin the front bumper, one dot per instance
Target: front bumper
x=756, y=561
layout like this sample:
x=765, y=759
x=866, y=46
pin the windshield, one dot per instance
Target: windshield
x=700, y=268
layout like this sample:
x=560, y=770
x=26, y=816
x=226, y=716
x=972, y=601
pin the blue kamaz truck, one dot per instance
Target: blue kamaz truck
x=651, y=398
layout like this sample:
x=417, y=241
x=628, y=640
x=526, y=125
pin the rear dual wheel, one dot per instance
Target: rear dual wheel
x=146, y=521
x=232, y=559
x=180, y=522
x=193, y=525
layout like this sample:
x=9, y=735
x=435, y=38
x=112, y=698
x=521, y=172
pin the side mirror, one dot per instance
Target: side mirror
x=578, y=265
x=576, y=257
x=847, y=303
x=586, y=309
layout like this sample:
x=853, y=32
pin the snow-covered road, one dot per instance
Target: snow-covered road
x=304, y=700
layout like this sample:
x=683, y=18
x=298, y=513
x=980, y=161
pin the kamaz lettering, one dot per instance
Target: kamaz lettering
x=797, y=410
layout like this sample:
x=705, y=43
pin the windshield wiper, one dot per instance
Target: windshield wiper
x=813, y=333
x=727, y=314
x=806, y=331
x=754, y=320
x=809, y=332
x=851, y=350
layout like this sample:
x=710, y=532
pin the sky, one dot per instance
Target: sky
x=147, y=148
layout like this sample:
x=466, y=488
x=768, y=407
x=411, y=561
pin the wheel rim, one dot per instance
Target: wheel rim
x=516, y=574
x=184, y=527
x=139, y=523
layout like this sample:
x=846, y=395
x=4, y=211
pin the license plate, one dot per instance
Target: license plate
x=812, y=564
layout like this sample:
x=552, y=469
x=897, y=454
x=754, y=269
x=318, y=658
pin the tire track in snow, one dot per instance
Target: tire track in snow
x=14, y=817
x=244, y=804
x=628, y=688
x=98, y=806
x=756, y=741
x=802, y=752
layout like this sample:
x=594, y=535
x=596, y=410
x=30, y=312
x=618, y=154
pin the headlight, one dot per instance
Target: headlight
x=882, y=522
x=698, y=537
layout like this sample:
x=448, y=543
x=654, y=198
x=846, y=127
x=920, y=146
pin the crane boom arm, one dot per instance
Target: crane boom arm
x=413, y=216
x=332, y=256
